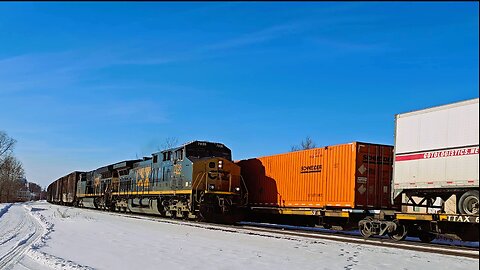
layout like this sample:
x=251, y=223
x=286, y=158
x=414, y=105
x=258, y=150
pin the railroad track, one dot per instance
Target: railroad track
x=19, y=235
x=287, y=232
x=430, y=248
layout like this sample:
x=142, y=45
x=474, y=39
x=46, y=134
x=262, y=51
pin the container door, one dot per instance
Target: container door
x=363, y=175
x=374, y=158
x=373, y=176
x=386, y=176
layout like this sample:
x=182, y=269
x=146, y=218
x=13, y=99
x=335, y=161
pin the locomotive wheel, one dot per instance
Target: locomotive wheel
x=468, y=203
x=400, y=233
x=160, y=208
x=327, y=226
x=206, y=212
x=426, y=237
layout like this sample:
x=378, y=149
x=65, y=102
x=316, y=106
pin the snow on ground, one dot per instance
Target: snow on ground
x=44, y=236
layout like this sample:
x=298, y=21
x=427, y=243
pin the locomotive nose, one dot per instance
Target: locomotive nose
x=216, y=164
x=217, y=170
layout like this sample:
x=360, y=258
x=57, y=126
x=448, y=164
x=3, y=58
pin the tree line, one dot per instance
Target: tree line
x=11, y=170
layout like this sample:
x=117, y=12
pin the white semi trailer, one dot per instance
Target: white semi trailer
x=437, y=155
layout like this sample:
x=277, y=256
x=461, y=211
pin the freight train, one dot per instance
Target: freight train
x=195, y=181
x=414, y=189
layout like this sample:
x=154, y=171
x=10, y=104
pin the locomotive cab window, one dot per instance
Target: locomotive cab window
x=167, y=155
x=179, y=154
x=155, y=158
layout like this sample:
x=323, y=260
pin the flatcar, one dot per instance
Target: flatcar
x=322, y=182
x=197, y=180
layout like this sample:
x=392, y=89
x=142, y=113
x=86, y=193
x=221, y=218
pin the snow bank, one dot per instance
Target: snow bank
x=85, y=239
x=43, y=258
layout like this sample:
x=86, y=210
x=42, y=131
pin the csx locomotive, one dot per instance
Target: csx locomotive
x=195, y=181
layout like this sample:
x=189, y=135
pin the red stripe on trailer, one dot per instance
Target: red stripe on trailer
x=430, y=183
x=409, y=157
x=439, y=154
x=449, y=182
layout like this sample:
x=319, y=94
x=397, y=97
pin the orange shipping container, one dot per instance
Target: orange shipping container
x=354, y=175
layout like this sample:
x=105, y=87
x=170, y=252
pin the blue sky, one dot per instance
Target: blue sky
x=87, y=84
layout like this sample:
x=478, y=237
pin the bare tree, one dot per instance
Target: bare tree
x=6, y=144
x=11, y=171
x=305, y=144
x=169, y=142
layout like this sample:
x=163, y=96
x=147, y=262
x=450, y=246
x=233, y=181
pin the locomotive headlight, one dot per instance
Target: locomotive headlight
x=211, y=187
x=237, y=189
x=220, y=164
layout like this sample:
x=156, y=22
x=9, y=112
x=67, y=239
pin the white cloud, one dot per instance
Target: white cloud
x=260, y=36
x=351, y=46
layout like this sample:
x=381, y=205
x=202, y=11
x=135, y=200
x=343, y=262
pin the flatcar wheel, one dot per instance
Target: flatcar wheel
x=365, y=227
x=426, y=237
x=399, y=234
x=365, y=230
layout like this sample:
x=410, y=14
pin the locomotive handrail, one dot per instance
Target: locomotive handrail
x=197, y=183
x=229, y=182
x=246, y=189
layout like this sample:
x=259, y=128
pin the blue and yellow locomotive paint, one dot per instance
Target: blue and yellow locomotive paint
x=197, y=180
